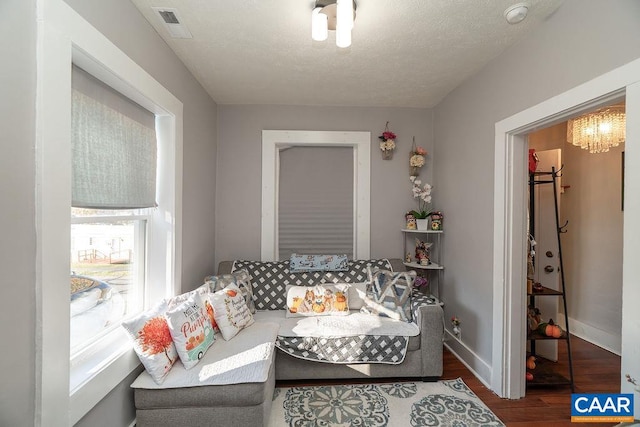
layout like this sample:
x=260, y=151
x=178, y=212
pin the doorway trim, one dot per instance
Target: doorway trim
x=509, y=249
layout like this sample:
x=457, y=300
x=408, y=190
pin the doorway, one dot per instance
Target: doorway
x=591, y=217
x=507, y=377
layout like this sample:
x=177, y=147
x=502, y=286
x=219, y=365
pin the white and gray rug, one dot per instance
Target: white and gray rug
x=442, y=403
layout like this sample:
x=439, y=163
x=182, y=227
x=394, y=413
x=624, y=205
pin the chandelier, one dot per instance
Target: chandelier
x=598, y=131
x=335, y=15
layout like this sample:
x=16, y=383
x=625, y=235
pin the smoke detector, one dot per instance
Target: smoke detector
x=170, y=17
x=516, y=13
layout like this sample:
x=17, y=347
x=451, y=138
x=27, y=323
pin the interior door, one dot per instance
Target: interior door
x=547, y=262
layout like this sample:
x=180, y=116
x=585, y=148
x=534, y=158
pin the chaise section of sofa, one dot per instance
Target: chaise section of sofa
x=233, y=384
x=246, y=404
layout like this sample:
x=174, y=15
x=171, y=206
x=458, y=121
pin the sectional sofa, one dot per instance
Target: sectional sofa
x=234, y=382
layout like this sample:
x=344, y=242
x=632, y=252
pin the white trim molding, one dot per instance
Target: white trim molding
x=478, y=367
x=275, y=140
x=596, y=336
x=509, y=272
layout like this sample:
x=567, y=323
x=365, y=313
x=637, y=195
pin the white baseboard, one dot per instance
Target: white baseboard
x=478, y=367
x=603, y=339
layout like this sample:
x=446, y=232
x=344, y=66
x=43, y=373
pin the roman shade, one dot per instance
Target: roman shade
x=113, y=145
x=316, y=206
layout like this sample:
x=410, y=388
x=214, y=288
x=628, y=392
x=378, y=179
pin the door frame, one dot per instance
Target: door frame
x=509, y=243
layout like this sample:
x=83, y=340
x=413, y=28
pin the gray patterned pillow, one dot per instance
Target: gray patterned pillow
x=240, y=278
x=389, y=294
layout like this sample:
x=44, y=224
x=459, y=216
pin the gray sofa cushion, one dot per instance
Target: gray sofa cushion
x=270, y=279
x=225, y=405
x=245, y=394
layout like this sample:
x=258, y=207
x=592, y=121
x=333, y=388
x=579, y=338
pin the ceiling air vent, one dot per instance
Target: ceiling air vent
x=171, y=19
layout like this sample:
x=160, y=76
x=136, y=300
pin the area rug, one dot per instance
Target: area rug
x=442, y=403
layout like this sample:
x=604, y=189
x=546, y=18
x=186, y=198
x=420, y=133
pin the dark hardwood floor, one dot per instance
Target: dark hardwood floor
x=595, y=371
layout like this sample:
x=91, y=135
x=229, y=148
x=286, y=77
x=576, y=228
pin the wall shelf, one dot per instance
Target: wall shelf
x=432, y=266
x=433, y=271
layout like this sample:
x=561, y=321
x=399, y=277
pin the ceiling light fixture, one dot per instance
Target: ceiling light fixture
x=598, y=131
x=516, y=13
x=335, y=15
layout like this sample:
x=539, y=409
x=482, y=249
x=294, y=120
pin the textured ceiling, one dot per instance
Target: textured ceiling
x=405, y=53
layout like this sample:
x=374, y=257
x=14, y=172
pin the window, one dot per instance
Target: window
x=107, y=271
x=95, y=370
x=114, y=151
x=275, y=144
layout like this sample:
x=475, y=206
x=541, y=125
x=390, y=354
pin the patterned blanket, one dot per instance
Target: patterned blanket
x=365, y=348
x=269, y=280
x=346, y=350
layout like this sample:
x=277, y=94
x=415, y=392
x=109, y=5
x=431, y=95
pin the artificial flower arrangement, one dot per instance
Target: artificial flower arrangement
x=416, y=161
x=423, y=194
x=420, y=282
x=388, y=143
x=455, y=322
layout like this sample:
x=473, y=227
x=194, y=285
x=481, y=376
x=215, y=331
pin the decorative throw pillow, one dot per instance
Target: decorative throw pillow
x=389, y=294
x=319, y=300
x=240, y=278
x=231, y=311
x=304, y=263
x=357, y=294
x=191, y=329
x=152, y=341
x=203, y=290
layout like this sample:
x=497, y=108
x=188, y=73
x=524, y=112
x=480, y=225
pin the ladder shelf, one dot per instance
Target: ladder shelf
x=543, y=373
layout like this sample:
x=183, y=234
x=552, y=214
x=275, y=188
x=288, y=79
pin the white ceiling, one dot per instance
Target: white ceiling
x=405, y=53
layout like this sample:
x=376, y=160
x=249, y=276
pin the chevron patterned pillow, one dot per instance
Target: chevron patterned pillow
x=389, y=294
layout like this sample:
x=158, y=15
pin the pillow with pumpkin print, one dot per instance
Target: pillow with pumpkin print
x=203, y=290
x=319, y=300
x=191, y=329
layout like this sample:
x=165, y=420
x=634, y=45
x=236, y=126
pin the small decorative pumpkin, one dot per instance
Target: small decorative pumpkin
x=550, y=329
x=531, y=362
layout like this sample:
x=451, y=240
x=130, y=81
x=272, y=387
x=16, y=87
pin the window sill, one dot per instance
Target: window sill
x=98, y=370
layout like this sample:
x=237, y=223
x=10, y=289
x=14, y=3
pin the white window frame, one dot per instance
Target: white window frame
x=275, y=140
x=84, y=361
x=64, y=37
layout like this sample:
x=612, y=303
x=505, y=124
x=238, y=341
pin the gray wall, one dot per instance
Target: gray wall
x=592, y=245
x=238, y=192
x=122, y=23
x=583, y=39
x=594, y=239
x=17, y=192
